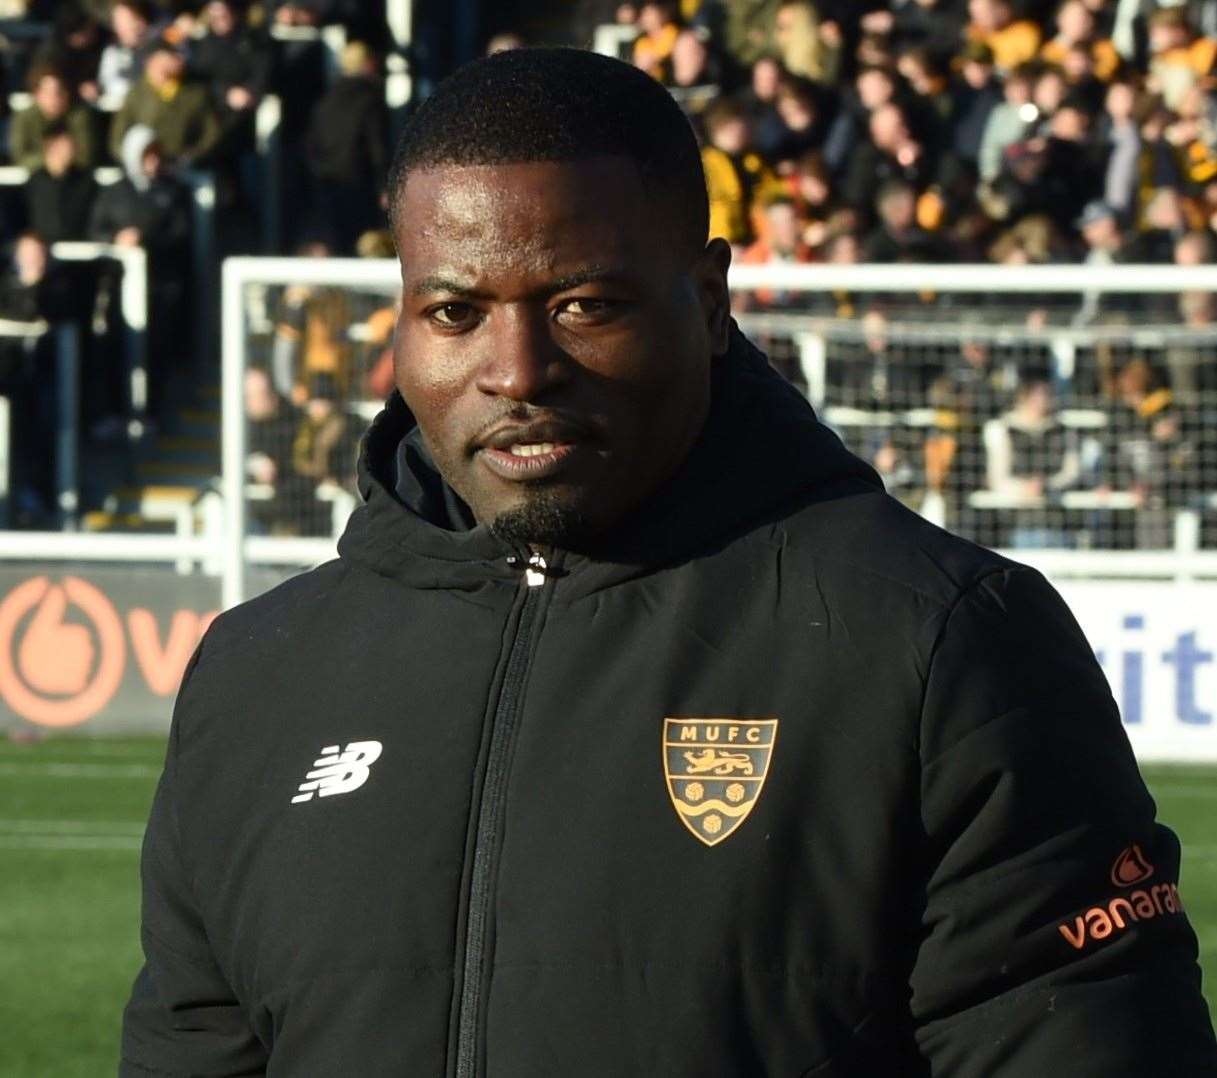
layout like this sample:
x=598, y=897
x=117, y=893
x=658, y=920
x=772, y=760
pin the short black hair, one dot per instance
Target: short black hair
x=560, y=105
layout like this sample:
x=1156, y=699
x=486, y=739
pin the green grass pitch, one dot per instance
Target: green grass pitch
x=71, y=815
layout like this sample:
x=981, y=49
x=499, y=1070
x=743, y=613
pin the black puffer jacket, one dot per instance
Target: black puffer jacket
x=784, y=781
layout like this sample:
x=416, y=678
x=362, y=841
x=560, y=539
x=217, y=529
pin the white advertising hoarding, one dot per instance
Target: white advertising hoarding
x=1157, y=644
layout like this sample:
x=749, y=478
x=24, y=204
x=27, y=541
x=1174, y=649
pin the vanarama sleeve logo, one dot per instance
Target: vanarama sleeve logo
x=1137, y=903
x=715, y=769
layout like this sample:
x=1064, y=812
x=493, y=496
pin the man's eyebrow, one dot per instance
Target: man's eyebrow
x=426, y=286
x=434, y=283
x=591, y=275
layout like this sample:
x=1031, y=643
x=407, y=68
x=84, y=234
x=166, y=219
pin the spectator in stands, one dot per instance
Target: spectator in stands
x=348, y=151
x=927, y=78
x=60, y=195
x=150, y=208
x=320, y=434
x=122, y=61
x=1048, y=94
x=1122, y=176
x=1028, y=456
x=780, y=242
x=873, y=87
x=898, y=237
x=797, y=124
x=748, y=32
x=1055, y=174
x=658, y=31
x=177, y=109
x=271, y=425
x=33, y=288
x=1192, y=372
x=975, y=93
x=759, y=99
x=300, y=13
x=809, y=187
x=1008, y=122
x=74, y=49
x=1027, y=452
x=933, y=25
x=52, y=106
x=1151, y=450
x=809, y=47
x=696, y=76
x=737, y=178
x=1193, y=134
x=311, y=335
x=893, y=152
x=1101, y=231
x=1163, y=224
x=1179, y=57
x=1013, y=40
x=1077, y=27
x=235, y=62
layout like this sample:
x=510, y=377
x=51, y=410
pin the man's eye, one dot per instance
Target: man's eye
x=452, y=315
x=587, y=308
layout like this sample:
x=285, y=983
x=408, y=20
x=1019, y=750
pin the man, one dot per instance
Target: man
x=655, y=739
x=177, y=108
x=122, y=60
x=59, y=196
x=52, y=107
x=348, y=149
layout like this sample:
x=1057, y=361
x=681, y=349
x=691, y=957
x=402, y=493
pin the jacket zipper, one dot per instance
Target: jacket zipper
x=490, y=810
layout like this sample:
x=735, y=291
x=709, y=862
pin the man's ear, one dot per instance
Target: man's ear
x=710, y=276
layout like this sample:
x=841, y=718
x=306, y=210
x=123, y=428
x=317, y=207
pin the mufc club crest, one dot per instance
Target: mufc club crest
x=715, y=770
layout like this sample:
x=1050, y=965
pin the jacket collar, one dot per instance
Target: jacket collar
x=761, y=454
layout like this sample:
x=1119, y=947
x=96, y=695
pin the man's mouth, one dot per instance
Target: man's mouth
x=532, y=451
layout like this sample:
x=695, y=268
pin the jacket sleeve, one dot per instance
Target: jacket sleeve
x=1054, y=938
x=183, y=1018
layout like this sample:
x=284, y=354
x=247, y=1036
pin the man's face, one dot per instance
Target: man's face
x=554, y=341
x=51, y=97
x=221, y=18
x=164, y=67
x=129, y=26
x=59, y=153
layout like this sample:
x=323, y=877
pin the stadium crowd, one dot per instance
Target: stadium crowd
x=1010, y=131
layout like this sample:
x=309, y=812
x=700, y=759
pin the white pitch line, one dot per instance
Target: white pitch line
x=81, y=771
x=71, y=827
x=69, y=842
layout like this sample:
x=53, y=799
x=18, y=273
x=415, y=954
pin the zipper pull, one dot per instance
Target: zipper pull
x=535, y=573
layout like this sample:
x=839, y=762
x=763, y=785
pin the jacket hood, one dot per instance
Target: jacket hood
x=135, y=144
x=761, y=454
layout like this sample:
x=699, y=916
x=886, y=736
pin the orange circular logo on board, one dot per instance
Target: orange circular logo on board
x=55, y=671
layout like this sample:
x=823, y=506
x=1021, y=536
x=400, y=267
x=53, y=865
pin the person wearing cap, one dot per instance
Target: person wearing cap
x=179, y=110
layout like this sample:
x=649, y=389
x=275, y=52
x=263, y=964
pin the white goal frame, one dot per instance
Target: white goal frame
x=240, y=549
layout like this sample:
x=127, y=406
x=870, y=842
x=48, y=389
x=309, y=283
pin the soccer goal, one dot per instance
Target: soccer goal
x=1067, y=414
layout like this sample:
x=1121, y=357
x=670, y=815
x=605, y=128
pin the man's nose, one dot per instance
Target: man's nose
x=525, y=362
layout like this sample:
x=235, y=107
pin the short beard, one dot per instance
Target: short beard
x=542, y=520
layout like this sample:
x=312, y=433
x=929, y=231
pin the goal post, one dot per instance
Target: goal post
x=875, y=347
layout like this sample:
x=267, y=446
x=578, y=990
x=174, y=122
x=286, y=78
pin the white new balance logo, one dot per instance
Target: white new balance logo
x=339, y=772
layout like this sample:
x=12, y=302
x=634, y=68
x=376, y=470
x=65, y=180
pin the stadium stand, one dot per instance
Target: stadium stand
x=909, y=131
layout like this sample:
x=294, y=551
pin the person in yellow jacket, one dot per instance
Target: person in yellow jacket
x=737, y=178
x=1179, y=57
x=1014, y=41
x=1075, y=28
